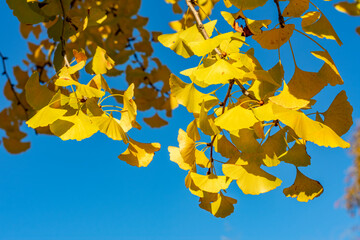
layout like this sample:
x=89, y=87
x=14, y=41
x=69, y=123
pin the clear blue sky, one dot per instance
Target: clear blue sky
x=80, y=190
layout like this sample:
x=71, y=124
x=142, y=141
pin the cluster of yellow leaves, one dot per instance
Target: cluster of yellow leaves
x=78, y=114
x=105, y=29
x=264, y=126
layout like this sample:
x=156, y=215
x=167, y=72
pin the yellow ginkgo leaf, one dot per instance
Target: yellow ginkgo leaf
x=299, y=84
x=110, y=127
x=155, y=121
x=260, y=75
x=37, y=95
x=188, y=96
x=175, y=156
x=179, y=42
x=75, y=127
x=99, y=82
x=314, y=24
x=245, y=141
x=251, y=179
x=287, y=100
x=101, y=62
x=232, y=44
x=206, y=123
x=296, y=8
x=328, y=71
x=274, y=146
x=204, y=47
x=223, y=146
x=275, y=38
x=248, y=4
x=236, y=118
x=217, y=72
x=139, y=154
x=222, y=207
x=210, y=183
x=187, y=147
x=129, y=104
x=45, y=116
x=304, y=188
x=309, y=129
x=192, y=130
x=297, y=156
x=15, y=146
x=189, y=183
x=338, y=116
x=351, y=8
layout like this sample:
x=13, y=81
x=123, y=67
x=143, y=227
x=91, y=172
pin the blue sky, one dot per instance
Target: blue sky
x=81, y=190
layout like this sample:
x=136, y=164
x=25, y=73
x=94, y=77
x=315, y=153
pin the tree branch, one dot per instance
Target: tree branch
x=247, y=93
x=281, y=18
x=200, y=25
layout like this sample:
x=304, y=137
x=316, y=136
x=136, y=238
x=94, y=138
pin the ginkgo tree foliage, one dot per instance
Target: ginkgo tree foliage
x=246, y=118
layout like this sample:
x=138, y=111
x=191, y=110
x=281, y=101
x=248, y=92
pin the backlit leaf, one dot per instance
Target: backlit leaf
x=139, y=154
x=304, y=188
x=210, y=183
x=222, y=207
x=275, y=38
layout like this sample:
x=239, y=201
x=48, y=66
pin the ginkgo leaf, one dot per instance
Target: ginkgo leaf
x=155, y=121
x=297, y=156
x=75, y=127
x=309, y=129
x=201, y=159
x=201, y=48
x=22, y=10
x=179, y=42
x=236, y=118
x=139, y=154
x=189, y=183
x=45, y=116
x=217, y=72
x=351, y=8
x=223, y=146
x=287, y=100
x=275, y=38
x=314, y=24
x=304, y=188
x=15, y=146
x=129, y=104
x=260, y=75
x=206, y=123
x=192, y=130
x=251, y=179
x=274, y=146
x=175, y=156
x=296, y=8
x=111, y=127
x=338, y=116
x=328, y=71
x=245, y=141
x=222, y=207
x=101, y=62
x=188, y=96
x=299, y=84
x=210, y=183
x=37, y=95
x=248, y=4
x=187, y=147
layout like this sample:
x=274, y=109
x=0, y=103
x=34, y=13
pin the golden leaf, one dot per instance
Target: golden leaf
x=304, y=188
x=139, y=154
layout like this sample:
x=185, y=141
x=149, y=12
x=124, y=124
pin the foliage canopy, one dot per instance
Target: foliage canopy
x=246, y=118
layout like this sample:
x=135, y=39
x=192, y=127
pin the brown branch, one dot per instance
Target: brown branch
x=200, y=25
x=3, y=58
x=63, y=42
x=281, y=18
x=247, y=93
x=223, y=104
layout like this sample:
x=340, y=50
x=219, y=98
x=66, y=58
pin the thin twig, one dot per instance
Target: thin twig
x=223, y=104
x=247, y=93
x=3, y=58
x=200, y=25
